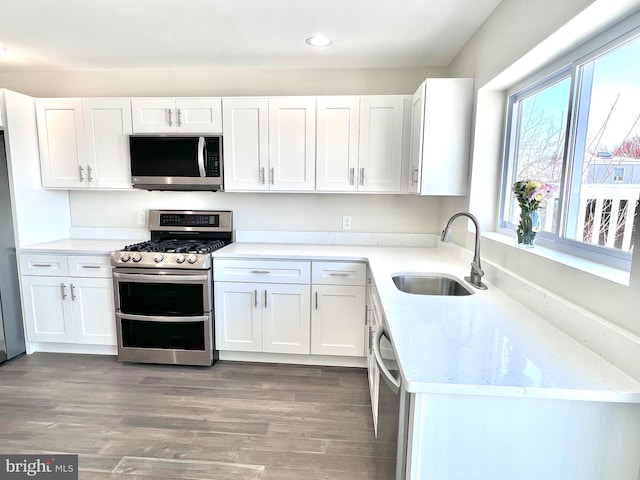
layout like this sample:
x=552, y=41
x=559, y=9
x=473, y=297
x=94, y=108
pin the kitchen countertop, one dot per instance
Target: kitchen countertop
x=78, y=246
x=481, y=344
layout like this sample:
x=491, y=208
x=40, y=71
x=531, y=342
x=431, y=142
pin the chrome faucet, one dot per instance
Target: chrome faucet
x=475, y=277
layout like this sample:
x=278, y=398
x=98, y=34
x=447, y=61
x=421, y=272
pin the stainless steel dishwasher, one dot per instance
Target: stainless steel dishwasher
x=393, y=409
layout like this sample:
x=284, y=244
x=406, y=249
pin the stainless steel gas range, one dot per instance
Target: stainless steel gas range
x=163, y=288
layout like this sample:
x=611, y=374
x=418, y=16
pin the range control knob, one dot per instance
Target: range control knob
x=125, y=257
x=158, y=257
x=192, y=259
x=180, y=258
x=137, y=257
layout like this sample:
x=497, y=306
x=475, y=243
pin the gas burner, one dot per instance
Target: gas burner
x=176, y=246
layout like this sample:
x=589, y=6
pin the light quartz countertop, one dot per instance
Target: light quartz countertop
x=481, y=344
x=84, y=246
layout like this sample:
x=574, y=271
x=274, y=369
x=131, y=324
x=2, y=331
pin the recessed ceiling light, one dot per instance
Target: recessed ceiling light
x=3, y=50
x=319, y=40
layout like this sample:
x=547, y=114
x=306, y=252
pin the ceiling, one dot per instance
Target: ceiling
x=73, y=35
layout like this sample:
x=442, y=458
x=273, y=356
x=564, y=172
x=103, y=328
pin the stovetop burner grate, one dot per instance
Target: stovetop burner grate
x=176, y=246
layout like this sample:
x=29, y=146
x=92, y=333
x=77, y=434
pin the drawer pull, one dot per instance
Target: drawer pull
x=42, y=265
x=261, y=271
x=91, y=266
x=339, y=274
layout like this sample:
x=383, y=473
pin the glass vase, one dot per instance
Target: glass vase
x=527, y=227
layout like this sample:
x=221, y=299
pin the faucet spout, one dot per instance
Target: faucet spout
x=476, y=274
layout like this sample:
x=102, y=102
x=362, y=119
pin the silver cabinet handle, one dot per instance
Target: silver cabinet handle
x=91, y=266
x=352, y=174
x=73, y=292
x=261, y=175
x=90, y=172
x=179, y=117
x=316, y=300
x=261, y=271
x=255, y=301
x=265, y=298
x=42, y=265
x=414, y=176
x=64, y=291
x=339, y=274
x=170, y=112
x=272, y=175
x=202, y=150
x=362, y=176
x=81, y=168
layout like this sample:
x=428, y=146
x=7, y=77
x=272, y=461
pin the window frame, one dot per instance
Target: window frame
x=567, y=66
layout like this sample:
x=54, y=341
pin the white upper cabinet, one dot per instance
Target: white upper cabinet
x=337, y=143
x=84, y=143
x=107, y=128
x=269, y=144
x=61, y=138
x=381, y=141
x=360, y=144
x=245, y=143
x=440, y=134
x=177, y=115
x=292, y=143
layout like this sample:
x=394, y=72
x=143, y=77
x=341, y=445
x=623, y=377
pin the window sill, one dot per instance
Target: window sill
x=603, y=271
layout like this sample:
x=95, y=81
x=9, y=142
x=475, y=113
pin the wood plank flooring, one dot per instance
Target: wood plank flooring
x=233, y=421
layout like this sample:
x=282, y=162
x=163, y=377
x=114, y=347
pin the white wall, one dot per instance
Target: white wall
x=517, y=39
x=219, y=82
x=267, y=211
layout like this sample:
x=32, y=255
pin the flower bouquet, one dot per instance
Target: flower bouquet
x=530, y=194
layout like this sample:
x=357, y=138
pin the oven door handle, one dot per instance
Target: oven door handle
x=158, y=318
x=387, y=376
x=158, y=278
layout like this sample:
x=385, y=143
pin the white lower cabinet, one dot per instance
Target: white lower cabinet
x=338, y=311
x=68, y=299
x=262, y=305
x=261, y=317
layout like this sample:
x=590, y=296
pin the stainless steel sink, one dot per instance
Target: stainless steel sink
x=430, y=284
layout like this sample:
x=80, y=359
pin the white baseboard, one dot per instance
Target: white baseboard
x=322, y=360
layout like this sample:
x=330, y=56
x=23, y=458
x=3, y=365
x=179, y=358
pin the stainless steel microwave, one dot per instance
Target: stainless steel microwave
x=160, y=162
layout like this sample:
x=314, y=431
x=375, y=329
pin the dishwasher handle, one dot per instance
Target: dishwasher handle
x=391, y=381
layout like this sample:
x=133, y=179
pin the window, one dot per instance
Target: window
x=579, y=129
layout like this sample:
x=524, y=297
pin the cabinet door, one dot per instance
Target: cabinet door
x=107, y=125
x=338, y=320
x=292, y=143
x=199, y=115
x=381, y=139
x=246, y=143
x=446, y=132
x=154, y=115
x=93, y=310
x=47, y=309
x=417, y=128
x=62, y=142
x=286, y=318
x=238, y=323
x=337, y=149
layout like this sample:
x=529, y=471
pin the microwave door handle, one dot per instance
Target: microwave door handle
x=202, y=151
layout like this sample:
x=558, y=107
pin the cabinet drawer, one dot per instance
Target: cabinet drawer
x=339, y=273
x=50, y=265
x=94, y=266
x=263, y=271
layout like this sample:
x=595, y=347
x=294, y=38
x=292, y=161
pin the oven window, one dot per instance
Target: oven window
x=163, y=299
x=167, y=335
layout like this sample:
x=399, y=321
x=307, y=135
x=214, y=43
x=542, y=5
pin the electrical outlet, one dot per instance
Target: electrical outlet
x=346, y=222
x=142, y=218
